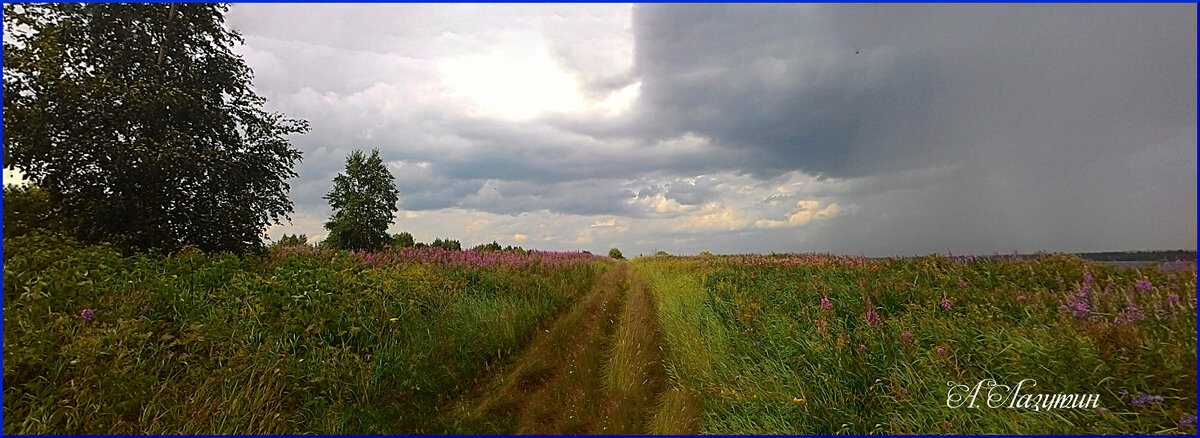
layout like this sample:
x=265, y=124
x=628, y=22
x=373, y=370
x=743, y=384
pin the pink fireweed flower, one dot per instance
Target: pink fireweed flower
x=1080, y=307
x=872, y=317
x=907, y=336
x=946, y=304
x=87, y=315
x=1143, y=285
x=1130, y=315
x=1173, y=299
x=825, y=303
x=1088, y=278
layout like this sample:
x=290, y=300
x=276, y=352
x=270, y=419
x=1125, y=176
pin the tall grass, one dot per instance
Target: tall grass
x=749, y=335
x=295, y=342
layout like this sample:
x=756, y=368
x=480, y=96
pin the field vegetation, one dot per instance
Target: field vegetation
x=814, y=344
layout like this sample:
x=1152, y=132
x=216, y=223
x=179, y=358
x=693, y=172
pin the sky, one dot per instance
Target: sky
x=849, y=129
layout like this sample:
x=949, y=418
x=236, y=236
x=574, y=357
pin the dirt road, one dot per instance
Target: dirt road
x=597, y=370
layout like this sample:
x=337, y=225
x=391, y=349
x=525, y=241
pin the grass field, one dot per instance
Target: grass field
x=302, y=341
x=830, y=345
x=311, y=341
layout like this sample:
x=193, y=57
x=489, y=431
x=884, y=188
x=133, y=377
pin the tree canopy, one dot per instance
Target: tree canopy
x=141, y=121
x=364, y=204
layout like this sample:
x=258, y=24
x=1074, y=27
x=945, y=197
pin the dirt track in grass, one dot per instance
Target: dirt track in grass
x=596, y=370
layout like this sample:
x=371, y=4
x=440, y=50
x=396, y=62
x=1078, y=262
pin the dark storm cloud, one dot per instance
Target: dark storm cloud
x=972, y=128
x=855, y=90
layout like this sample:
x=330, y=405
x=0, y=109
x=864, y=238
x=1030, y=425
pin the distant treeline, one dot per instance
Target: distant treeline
x=1139, y=256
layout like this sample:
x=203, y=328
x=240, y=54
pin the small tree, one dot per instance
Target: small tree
x=403, y=240
x=294, y=239
x=364, y=204
x=446, y=244
x=616, y=254
x=494, y=246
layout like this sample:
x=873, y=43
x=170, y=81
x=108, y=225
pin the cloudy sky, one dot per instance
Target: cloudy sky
x=789, y=128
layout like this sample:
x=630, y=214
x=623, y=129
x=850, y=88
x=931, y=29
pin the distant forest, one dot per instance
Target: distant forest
x=1139, y=256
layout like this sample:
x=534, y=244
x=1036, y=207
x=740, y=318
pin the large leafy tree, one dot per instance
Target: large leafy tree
x=364, y=204
x=140, y=121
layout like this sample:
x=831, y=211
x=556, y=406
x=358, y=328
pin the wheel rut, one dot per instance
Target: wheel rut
x=598, y=369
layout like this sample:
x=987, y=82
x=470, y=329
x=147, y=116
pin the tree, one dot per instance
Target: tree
x=140, y=121
x=364, y=204
x=27, y=208
x=293, y=240
x=616, y=254
x=446, y=244
x=403, y=240
x=488, y=247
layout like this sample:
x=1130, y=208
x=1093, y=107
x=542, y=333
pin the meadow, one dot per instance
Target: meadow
x=298, y=341
x=307, y=340
x=815, y=344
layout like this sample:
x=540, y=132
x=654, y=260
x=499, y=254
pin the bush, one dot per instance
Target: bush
x=403, y=240
x=494, y=246
x=616, y=254
x=27, y=208
x=446, y=244
x=292, y=240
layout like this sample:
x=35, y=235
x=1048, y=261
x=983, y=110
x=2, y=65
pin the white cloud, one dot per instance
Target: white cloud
x=808, y=210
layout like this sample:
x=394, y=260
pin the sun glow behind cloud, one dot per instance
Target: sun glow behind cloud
x=516, y=82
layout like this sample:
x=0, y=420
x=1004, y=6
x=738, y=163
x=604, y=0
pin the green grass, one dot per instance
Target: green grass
x=212, y=343
x=715, y=309
x=302, y=341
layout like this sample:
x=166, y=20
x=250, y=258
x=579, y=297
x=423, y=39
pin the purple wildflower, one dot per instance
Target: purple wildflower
x=1081, y=303
x=1088, y=278
x=1143, y=285
x=862, y=348
x=907, y=336
x=946, y=304
x=1084, y=292
x=941, y=351
x=1021, y=297
x=1188, y=420
x=825, y=303
x=872, y=317
x=756, y=344
x=1130, y=315
x=1173, y=299
x=1146, y=400
x=87, y=315
x=1081, y=307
